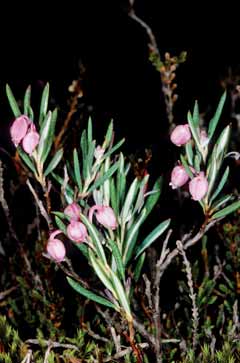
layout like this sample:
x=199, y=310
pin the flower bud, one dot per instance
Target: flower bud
x=180, y=135
x=105, y=216
x=179, y=177
x=56, y=248
x=30, y=142
x=73, y=210
x=77, y=231
x=19, y=129
x=204, y=140
x=99, y=152
x=198, y=187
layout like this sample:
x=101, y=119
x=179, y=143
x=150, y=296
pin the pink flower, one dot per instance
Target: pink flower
x=181, y=135
x=73, y=210
x=30, y=142
x=105, y=216
x=198, y=187
x=55, y=247
x=179, y=177
x=76, y=231
x=19, y=129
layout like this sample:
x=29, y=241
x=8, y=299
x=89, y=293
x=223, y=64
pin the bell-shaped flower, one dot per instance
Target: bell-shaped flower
x=180, y=135
x=55, y=247
x=105, y=216
x=198, y=187
x=179, y=177
x=19, y=129
x=77, y=231
x=73, y=210
x=31, y=140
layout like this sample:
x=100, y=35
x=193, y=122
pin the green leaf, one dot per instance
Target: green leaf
x=54, y=162
x=44, y=133
x=157, y=232
x=197, y=162
x=194, y=131
x=83, y=248
x=83, y=144
x=27, y=160
x=118, y=258
x=113, y=196
x=121, y=181
x=95, y=239
x=104, y=177
x=61, y=215
x=60, y=224
x=196, y=115
x=225, y=211
x=26, y=102
x=44, y=104
x=51, y=135
x=113, y=149
x=130, y=239
x=106, y=184
x=186, y=167
x=129, y=201
x=60, y=180
x=122, y=298
x=221, y=185
x=214, y=121
x=189, y=152
x=103, y=272
x=12, y=102
x=108, y=136
x=138, y=269
x=90, y=295
x=89, y=131
x=77, y=172
x=221, y=201
x=154, y=196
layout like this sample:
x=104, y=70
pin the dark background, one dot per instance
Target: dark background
x=43, y=43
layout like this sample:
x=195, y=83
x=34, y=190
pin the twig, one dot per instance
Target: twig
x=7, y=292
x=148, y=290
x=93, y=334
x=195, y=315
x=142, y=330
x=28, y=356
x=53, y=344
x=123, y=352
x=116, y=339
x=40, y=205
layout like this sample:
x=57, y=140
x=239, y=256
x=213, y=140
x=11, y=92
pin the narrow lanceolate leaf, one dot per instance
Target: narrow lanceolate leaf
x=186, y=166
x=44, y=104
x=109, y=135
x=44, y=133
x=122, y=298
x=121, y=181
x=118, y=258
x=222, y=143
x=54, y=162
x=84, y=149
x=60, y=224
x=194, y=131
x=60, y=180
x=51, y=134
x=95, y=239
x=130, y=239
x=153, y=198
x=214, y=121
x=113, y=196
x=26, y=102
x=103, y=272
x=61, y=215
x=196, y=115
x=90, y=295
x=89, y=131
x=157, y=232
x=113, y=149
x=138, y=269
x=77, y=172
x=83, y=248
x=27, y=160
x=189, y=152
x=197, y=161
x=129, y=201
x=220, y=202
x=141, y=194
x=221, y=185
x=106, y=184
x=90, y=158
x=227, y=210
x=104, y=177
x=12, y=102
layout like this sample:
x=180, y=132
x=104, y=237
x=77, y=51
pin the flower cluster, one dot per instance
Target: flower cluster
x=23, y=131
x=198, y=186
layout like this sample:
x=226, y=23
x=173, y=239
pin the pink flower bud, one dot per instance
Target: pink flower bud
x=105, y=216
x=76, y=231
x=204, y=140
x=198, y=187
x=55, y=247
x=19, y=129
x=179, y=177
x=73, y=210
x=30, y=142
x=181, y=135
